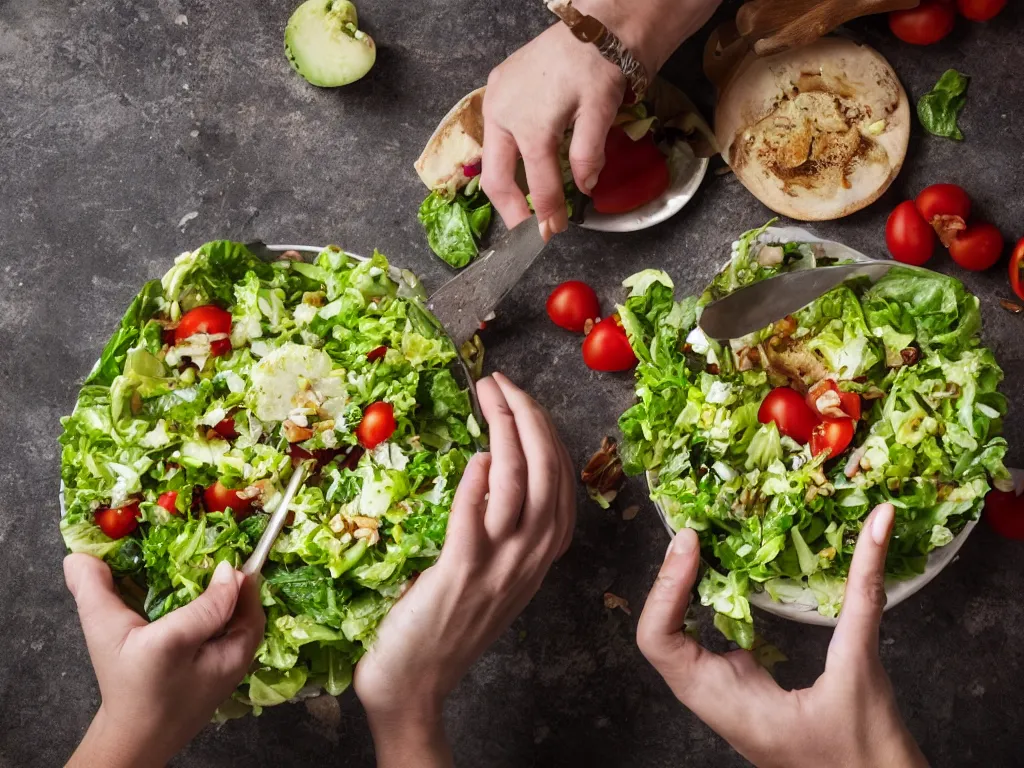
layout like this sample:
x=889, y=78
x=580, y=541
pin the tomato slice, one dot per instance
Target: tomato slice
x=219, y=498
x=849, y=402
x=226, y=428
x=377, y=354
x=377, y=425
x=208, y=319
x=832, y=435
x=790, y=413
x=1017, y=270
x=118, y=522
x=169, y=501
x=1004, y=511
x=634, y=173
x=607, y=348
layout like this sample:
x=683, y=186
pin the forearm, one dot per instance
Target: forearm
x=111, y=747
x=402, y=742
x=652, y=29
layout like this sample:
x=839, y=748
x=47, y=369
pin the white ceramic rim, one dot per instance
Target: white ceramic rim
x=896, y=590
x=680, y=192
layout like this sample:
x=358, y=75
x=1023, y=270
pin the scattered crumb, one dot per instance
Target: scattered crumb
x=187, y=218
x=630, y=512
x=611, y=602
x=181, y=20
x=194, y=134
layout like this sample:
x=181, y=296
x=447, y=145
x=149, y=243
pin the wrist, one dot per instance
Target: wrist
x=651, y=29
x=107, y=744
x=410, y=737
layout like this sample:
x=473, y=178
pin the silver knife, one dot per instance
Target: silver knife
x=466, y=301
x=759, y=305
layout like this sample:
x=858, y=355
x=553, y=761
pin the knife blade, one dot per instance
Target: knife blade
x=466, y=301
x=761, y=304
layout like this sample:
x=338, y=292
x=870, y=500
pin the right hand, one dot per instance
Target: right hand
x=848, y=717
x=513, y=515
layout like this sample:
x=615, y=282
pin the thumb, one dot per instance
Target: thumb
x=586, y=150
x=864, y=601
x=207, y=615
x=659, y=632
x=101, y=610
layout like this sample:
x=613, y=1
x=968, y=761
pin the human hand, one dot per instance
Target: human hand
x=848, y=717
x=513, y=515
x=556, y=82
x=160, y=683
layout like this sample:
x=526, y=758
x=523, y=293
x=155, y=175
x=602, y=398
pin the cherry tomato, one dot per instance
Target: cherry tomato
x=206, y=319
x=378, y=424
x=571, y=304
x=910, y=238
x=832, y=435
x=169, y=501
x=219, y=498
x=928, y=23
x=980, y=10
x=634, y=173
x=1017, y=270
x=946, y=207
x=377, y=354
x=849, y=402
x=790, y=413
x=978, y=247
x=606, y=347
x=226, y=428
x=1004, y=511
x=118, y=522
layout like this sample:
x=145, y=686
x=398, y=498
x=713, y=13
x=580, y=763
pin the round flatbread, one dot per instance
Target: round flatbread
x=816, y=133
x=457, y=142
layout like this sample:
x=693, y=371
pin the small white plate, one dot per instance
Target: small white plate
x=681, y=190
x=896, y=591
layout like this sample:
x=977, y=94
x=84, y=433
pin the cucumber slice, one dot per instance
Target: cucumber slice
x=324, y=45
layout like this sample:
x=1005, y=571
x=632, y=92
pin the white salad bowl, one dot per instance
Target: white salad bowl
x=804, y=610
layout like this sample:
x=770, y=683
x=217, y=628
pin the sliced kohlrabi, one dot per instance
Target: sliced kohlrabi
x=324, y=44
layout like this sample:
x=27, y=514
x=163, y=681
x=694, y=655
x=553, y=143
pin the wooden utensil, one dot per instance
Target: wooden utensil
x=766, y=27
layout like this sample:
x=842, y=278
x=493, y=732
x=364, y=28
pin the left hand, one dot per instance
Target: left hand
x=160, y=683
x=513, y=515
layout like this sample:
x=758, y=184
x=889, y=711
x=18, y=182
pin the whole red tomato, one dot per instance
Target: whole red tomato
x=978, y=247
x=928, y=23
x=571, y=304
x=378, y=424
x=790, y=413
x=206, y=319
x=1004, y=511
x=118, y=522
x=219, y=498
x=980, y=10
x=1017, y=269
x=634, y=173
x=946, y=207
x=607, y=348
x=910, y=238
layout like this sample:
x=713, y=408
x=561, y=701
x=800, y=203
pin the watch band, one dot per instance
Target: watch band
x=587, y=29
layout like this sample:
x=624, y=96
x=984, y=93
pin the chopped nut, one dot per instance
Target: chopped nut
x=611, y=602
x=370, y=534
x=290, y=256
x=294, y=433
x=1011, y=306
x=324, y=426
x=748, y=359
x=338, y=524
x=631, y=511
x=366, y=522
x=314, y=298
x=909, y=355
x=786, y=326
x=603, y=474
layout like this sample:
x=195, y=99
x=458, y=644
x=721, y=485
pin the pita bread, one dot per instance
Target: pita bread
x=816, y=133
x=458, y=141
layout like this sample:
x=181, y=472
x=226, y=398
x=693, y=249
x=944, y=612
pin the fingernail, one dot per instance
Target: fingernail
x=223, y=573
x=683, y=543
x=560, y=221
x=882, y=523
x=591, y=182
x=545, y=230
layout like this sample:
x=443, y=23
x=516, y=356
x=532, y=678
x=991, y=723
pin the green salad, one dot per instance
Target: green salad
x=220, y=378
x=775, y=447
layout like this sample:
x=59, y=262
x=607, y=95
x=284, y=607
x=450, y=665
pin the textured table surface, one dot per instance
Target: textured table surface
x=119, y=118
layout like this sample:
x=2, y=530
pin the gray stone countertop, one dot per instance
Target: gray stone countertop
x=118, y=118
